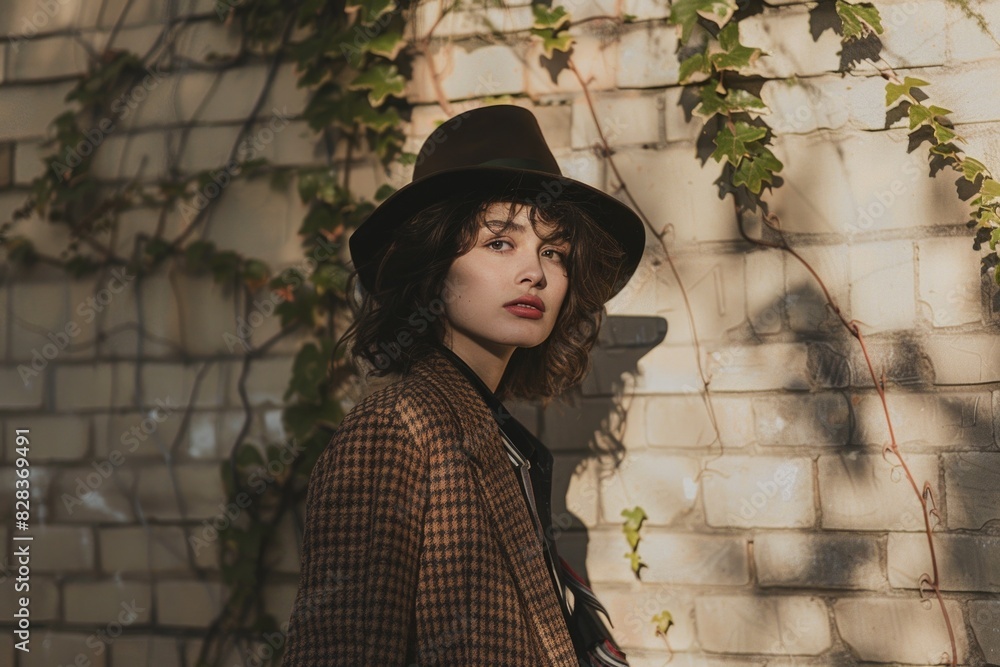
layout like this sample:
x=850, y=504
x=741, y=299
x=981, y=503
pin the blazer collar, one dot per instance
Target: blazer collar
x=500, y=493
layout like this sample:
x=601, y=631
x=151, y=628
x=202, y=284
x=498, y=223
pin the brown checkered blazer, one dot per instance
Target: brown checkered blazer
x=418, y=546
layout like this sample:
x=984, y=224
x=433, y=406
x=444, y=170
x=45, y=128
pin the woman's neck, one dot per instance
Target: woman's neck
x=488, y=362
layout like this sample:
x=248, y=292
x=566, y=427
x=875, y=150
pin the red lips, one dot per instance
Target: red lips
x=527, y=300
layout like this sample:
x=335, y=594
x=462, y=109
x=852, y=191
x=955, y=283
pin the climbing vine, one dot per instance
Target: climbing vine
x=354, y=60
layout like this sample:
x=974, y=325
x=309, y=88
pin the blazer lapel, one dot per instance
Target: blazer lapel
x=500, y=493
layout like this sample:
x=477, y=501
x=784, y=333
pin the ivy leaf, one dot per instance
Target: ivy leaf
x=308, y=374
x=942, y=133
x=756, y=169
x=859, y=20
x=255, y=274
x=990, y=191
x=734, y=56
x=994, y=239
x=663, y=622
x=387, y=44
x=380, y=81
x=735, y=101
x=370, y=10
x=551, y=18
x=971, y=169
x=685, y=13
x=696, y=64
x=893, y=91
x=633, y=521
x=919, y=114
x=552, y=42
x=635, y=560
x=733, y=145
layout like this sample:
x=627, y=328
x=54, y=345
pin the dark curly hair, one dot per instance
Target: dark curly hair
x=402, y=318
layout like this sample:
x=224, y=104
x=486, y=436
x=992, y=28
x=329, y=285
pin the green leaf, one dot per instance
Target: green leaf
x=380, y=81
x=384, y=191
x=990, y=191
x=696, y=64
x=859, y=19
x=733, y=145
x=308, y=374
x=735, y=101
x=663, y=622
x=255, y=273
x=552, y=42
x=942, y=133
x=734, y=56
x=301, y=419
x=552, y=18
x=685, y=13
x=972, y=169
x=387, y=44
x=635, y=560
x=919, y=114
x=320, y=217
x=370, y=10
x=757, y=168
x=893, y=91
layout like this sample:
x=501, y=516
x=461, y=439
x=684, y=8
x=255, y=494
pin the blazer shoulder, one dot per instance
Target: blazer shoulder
x=411, y=402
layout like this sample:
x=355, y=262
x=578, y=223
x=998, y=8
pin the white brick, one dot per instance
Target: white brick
x=818, y=560
x=198, y=493
x=965, y=562
x=920, y=633
x=810, y=420
x=52, y=647
x=44, y=593
x=62, y=549
x=203, y=41
x=268, y=379
x=94, y=386
x=765, y=294
x=964, y=90
x=46, y=58
x=914, y=34
x=883, y=285
x=277, y=241
x=595, y=57
x=212, y=434
x=786, y=37
x=680, y=125
x=85, y=495
x=188, y=603
x=149, y=651
x=759, y=491
x=862, y=492
x=21, y=391
x=646, y=56
x=715, y=287
x=625, y=119
x=885, y=188
x=758, y=368
x=925, y=420
x=668, y=369
x=967, y=40
x=968, y=359
x=24, y=19
x=485, y=20
x=685, y=421
x=103, y=602
x=41, y=321
x=667, y=485
x=972, y=485
x=145, y=156
x=176, y=383
x=133, y=435
x=807, y=306
x=106, y=304
x=632, y=612
x=480, y=71
x=26, y=111
x=46, y=237
x=583, y=166
x=985, y=617
x=142, y=549
x=788, y=625
x=950, y=282
x=647, y=9
x=574, y=492
x=805, y=105
x=672, y=558
x=677, y=193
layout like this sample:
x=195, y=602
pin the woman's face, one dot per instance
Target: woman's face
x=502, y=267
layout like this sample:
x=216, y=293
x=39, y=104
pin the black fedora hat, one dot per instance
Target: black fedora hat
x=497, y=149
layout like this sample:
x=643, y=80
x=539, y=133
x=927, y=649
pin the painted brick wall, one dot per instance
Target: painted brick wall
x=793, y=542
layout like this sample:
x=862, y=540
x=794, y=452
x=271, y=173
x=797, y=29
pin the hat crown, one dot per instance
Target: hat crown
x=503, y=135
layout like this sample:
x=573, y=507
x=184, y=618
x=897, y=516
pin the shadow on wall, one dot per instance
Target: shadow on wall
x=809, y=570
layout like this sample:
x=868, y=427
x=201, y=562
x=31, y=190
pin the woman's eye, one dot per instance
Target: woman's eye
x=561, y=256
x=493, y=244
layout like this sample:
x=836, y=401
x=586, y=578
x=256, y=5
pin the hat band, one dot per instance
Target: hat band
x=516, y=163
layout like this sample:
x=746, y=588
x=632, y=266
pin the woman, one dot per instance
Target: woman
x=428, y=534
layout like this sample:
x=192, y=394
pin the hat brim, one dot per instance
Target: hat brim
x=615, y=217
